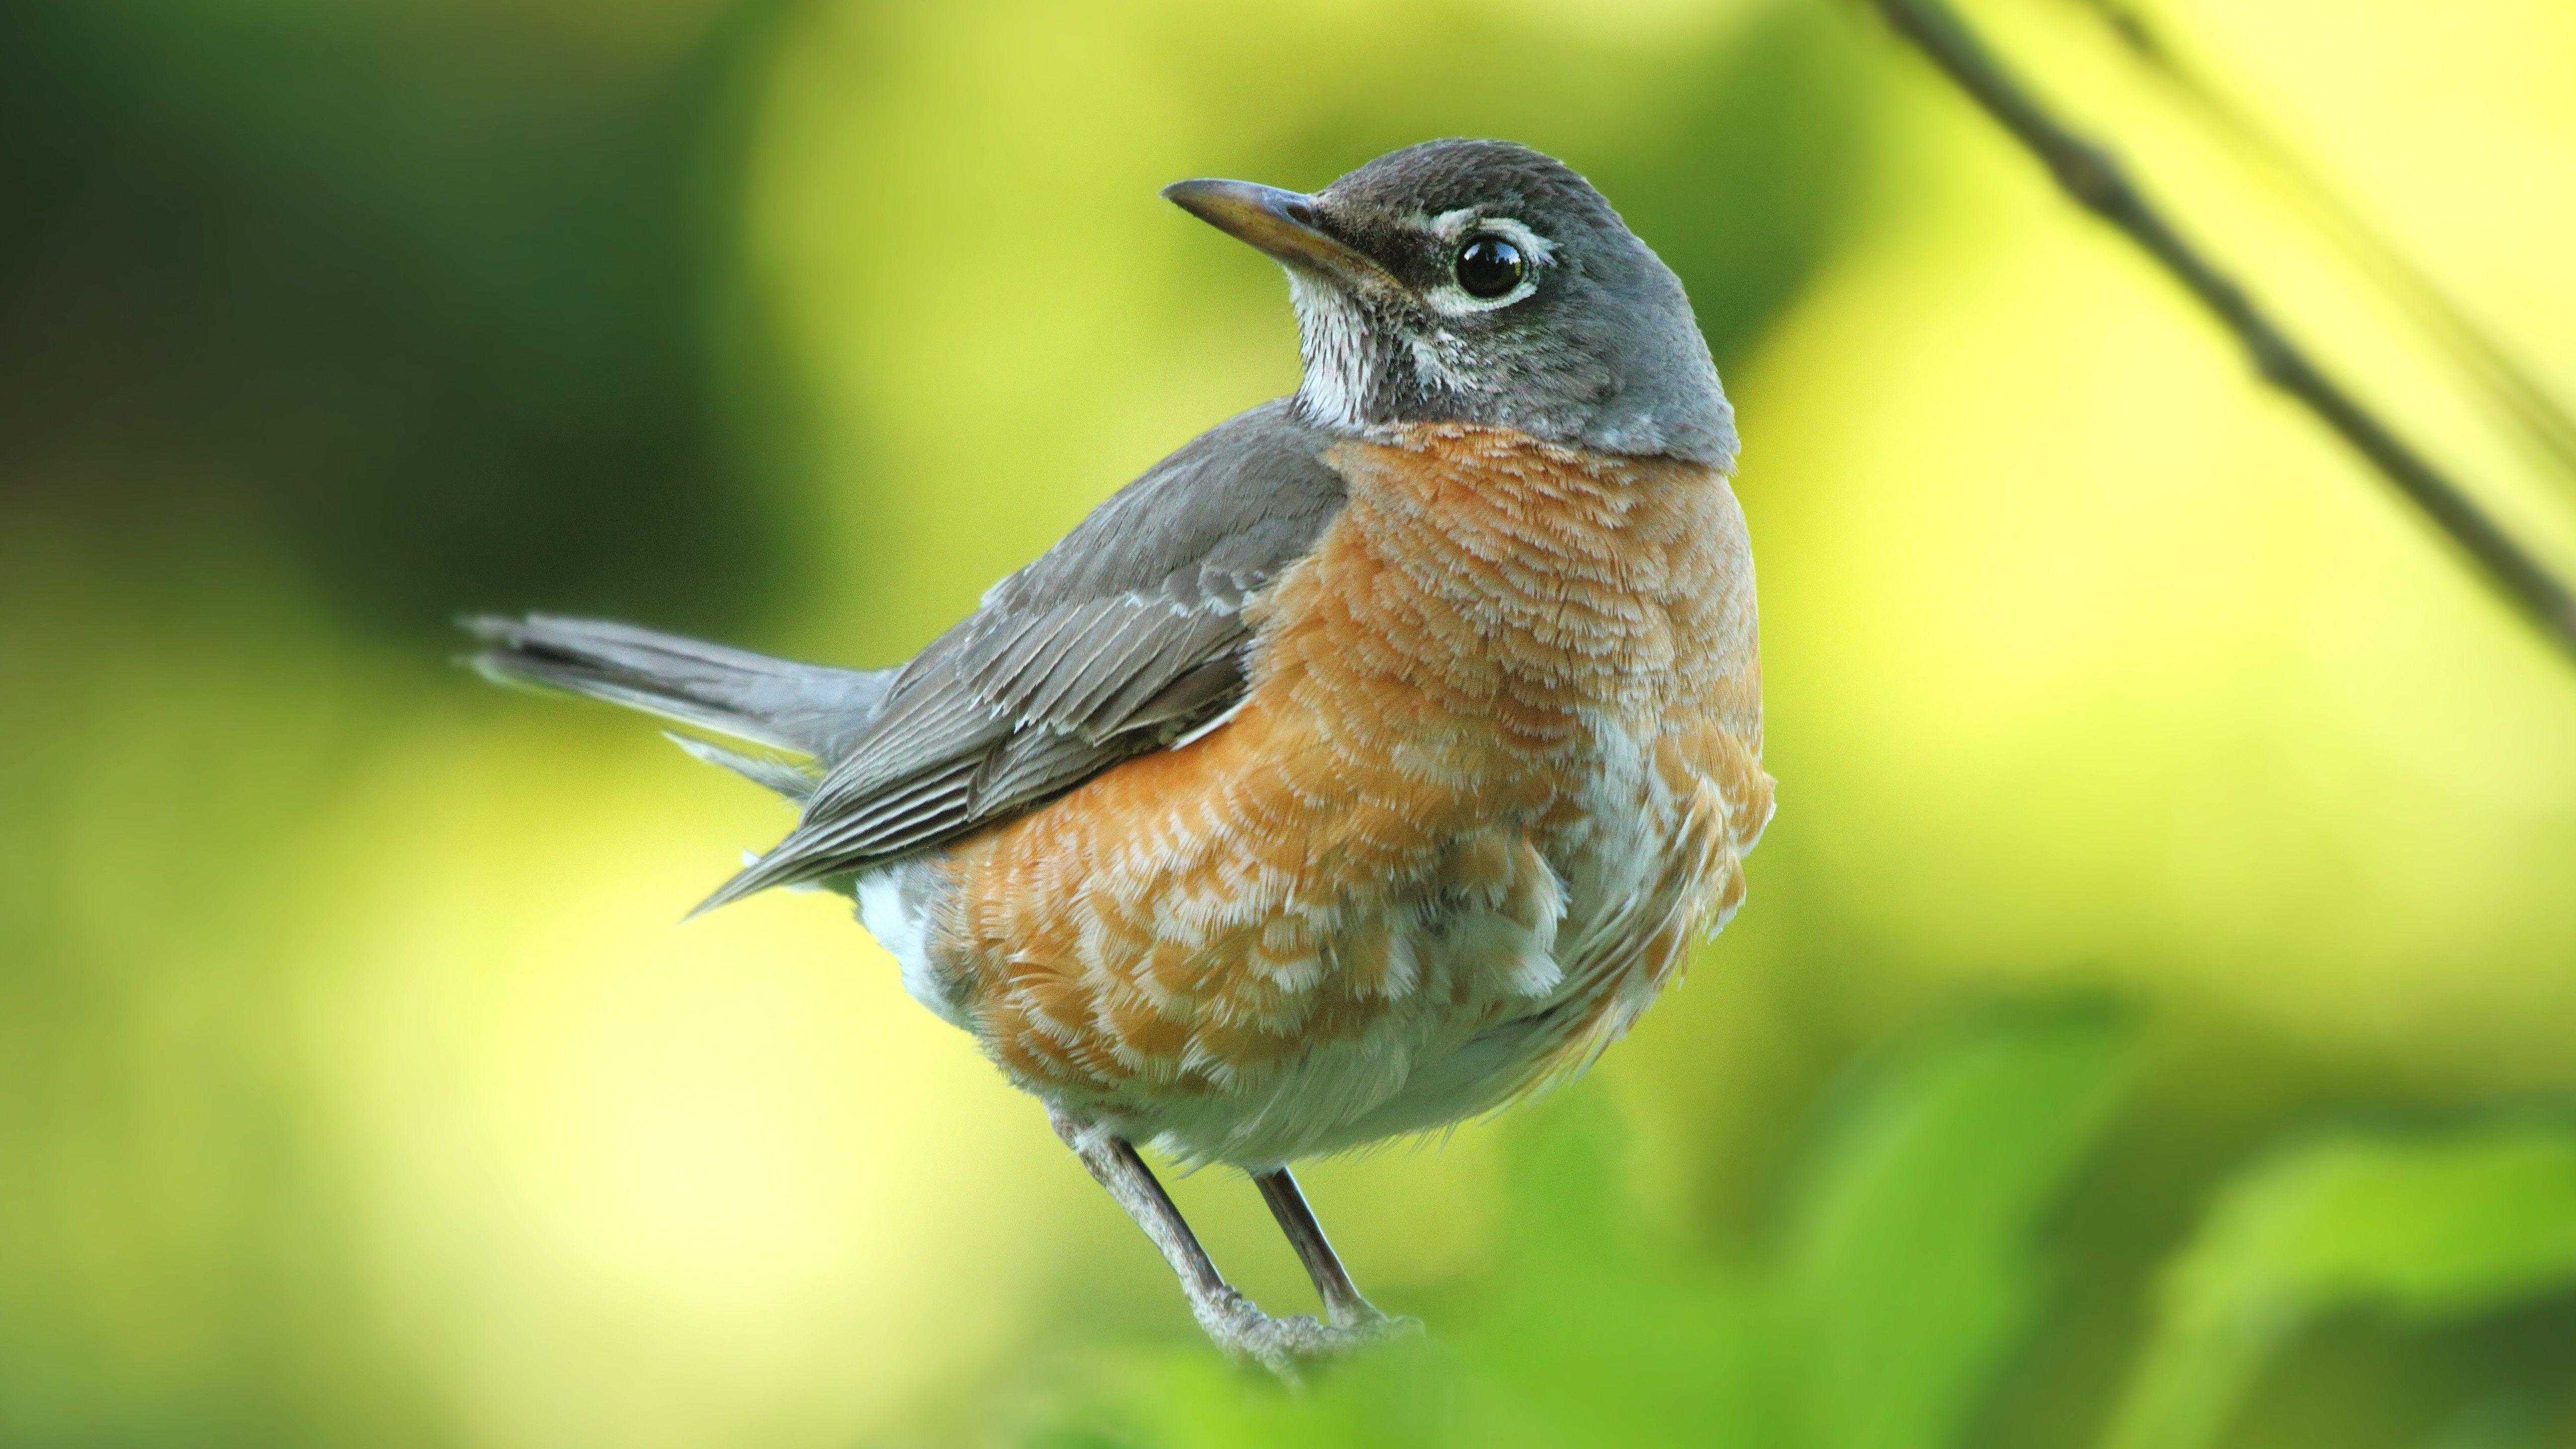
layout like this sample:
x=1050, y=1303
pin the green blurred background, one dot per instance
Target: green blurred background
x=2154, y=1022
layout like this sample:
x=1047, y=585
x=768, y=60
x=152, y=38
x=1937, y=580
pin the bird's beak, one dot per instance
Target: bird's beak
x=1282, y=223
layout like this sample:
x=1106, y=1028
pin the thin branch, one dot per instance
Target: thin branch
x=2540, y=422
x=2096, y=181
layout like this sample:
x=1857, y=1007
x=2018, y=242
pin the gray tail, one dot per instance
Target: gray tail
x=805, y=709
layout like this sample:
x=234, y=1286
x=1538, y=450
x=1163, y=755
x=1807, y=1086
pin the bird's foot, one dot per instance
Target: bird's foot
x=1285, y=1346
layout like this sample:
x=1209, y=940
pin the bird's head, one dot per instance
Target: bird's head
x=1482, y=282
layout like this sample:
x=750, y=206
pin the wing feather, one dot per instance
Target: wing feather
x=1122, y=638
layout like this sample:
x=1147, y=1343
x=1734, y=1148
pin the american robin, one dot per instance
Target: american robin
x=1367, y=764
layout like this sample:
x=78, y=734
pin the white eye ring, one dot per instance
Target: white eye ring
x=1455, y=226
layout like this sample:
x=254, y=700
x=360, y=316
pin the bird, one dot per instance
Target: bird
x=1366, y=766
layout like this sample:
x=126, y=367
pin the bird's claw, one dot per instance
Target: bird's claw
x=1286, y=1346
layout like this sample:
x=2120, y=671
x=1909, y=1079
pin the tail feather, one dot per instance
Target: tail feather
x=804, y=708
x=787, y=777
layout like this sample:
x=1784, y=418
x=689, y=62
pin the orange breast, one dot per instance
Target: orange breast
x=1498, y=757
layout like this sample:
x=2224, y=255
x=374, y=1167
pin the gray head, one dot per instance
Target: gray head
x=1482, y=282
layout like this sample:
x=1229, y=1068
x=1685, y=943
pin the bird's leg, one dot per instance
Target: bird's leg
x=1342, y=1300
x=1343, y=1304
x=1233, y=1321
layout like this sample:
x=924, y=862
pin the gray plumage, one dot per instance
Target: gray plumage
x=793, y=778
x=805, y=708
x=1124, y=636
x=1602, y=353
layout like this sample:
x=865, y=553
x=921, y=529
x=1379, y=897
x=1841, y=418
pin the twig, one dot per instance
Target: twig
x=2096, y=181
x=2540, y=422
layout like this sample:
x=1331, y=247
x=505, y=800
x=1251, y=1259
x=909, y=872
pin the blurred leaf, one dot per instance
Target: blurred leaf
x=2509, y=1422
x=1586, y=1297
x=1909, y=1275
x=2427, y=1231
x=1409, y=1395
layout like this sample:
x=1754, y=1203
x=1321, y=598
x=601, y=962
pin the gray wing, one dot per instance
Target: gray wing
x=1118, y=640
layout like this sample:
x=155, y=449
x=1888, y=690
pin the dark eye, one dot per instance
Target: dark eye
x=1489, y=266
